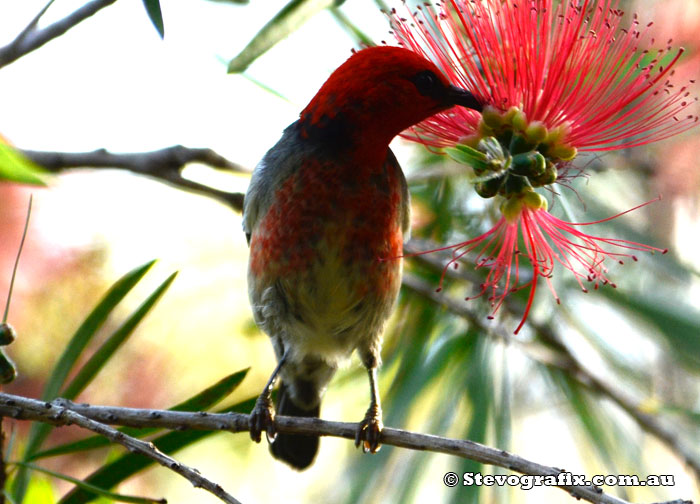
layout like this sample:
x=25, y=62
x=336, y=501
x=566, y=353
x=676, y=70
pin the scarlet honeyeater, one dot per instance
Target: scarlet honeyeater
x=326, y=214
x=556, y=79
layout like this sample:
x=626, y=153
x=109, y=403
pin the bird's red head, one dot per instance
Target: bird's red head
x=377, y=93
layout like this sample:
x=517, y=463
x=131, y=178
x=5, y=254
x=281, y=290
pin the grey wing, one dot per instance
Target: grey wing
x=252, y=200
x=276, y=166
x=405, y=211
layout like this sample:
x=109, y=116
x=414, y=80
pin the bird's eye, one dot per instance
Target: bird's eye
x=426, y=82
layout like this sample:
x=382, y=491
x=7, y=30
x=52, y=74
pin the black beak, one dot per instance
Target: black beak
x=457, y=96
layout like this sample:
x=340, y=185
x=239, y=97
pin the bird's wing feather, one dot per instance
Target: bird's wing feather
x=405, y=214
x=275, y=167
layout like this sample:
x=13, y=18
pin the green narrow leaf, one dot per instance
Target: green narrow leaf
x=69, y=357
x=465, y=155
x=16, y=167
x=156, y=16
x=285, y=22
x=97, y=361
x=91, y=488
x=478, y=390
x=129, y=464
x=89, y=328
x=265, y=87
x=199, y=402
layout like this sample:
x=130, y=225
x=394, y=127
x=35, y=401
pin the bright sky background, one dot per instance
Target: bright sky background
x=112, y=83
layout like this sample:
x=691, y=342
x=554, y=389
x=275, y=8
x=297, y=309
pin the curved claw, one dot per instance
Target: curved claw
x=262, y=418
x=369, y=432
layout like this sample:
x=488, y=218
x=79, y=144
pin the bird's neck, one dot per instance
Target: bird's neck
x=361, y=143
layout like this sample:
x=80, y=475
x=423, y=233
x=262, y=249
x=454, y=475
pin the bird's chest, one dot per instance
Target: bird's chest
x=332, y=217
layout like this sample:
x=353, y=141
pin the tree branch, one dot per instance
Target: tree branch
x=30, y=38
x=165, y=165
x=60, y=412
x=556, y=355
x=55, y=413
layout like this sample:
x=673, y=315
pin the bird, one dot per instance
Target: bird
x=325, y=215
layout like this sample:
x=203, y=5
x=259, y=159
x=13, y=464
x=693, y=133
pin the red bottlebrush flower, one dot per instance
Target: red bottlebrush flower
x=547, y=240
x=563, y=64
x=555, y=79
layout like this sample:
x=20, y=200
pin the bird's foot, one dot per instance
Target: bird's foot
x=262, y=418
x=369, y=431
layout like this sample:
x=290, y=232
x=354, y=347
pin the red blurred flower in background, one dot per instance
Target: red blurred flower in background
x=557, y=79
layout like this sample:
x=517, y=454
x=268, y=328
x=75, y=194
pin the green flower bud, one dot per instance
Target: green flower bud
x=489, y=188
x=557, y=135
x=534, y=201
x=510, y=114
x=519, y=121
x=536, y=132
x=511, y=208
x=520, y=144
x=562, y=151
x=515, y=185
x=492, y=117
x=548, y=177
x=529, y=164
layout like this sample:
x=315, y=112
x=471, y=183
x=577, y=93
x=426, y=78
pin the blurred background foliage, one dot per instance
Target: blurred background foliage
x=606, y=383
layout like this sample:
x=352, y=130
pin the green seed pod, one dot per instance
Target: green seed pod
x=8, y=371
x=7, y=334
x=520, y=144
x=515, y=185
x=549, y=176
x=489, y=188
x=529, y=164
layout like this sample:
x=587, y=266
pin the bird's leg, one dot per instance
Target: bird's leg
x=262, y=418
x=370, y=429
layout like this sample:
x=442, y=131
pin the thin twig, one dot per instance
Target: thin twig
x=557, y=354
x=31, y=26
x=19, y=254
x=165, y=165
x=61, y=412
x=23, y=408
x=31, y=39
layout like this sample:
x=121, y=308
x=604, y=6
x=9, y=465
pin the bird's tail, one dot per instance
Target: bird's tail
x=296, y=450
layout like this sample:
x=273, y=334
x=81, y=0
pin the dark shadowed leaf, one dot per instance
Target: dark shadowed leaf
x=129, y=464
x=71, y=354
x=92, y=488
x=200, y=402
x=285, y=22
x=155, y=14
x=97, y=361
